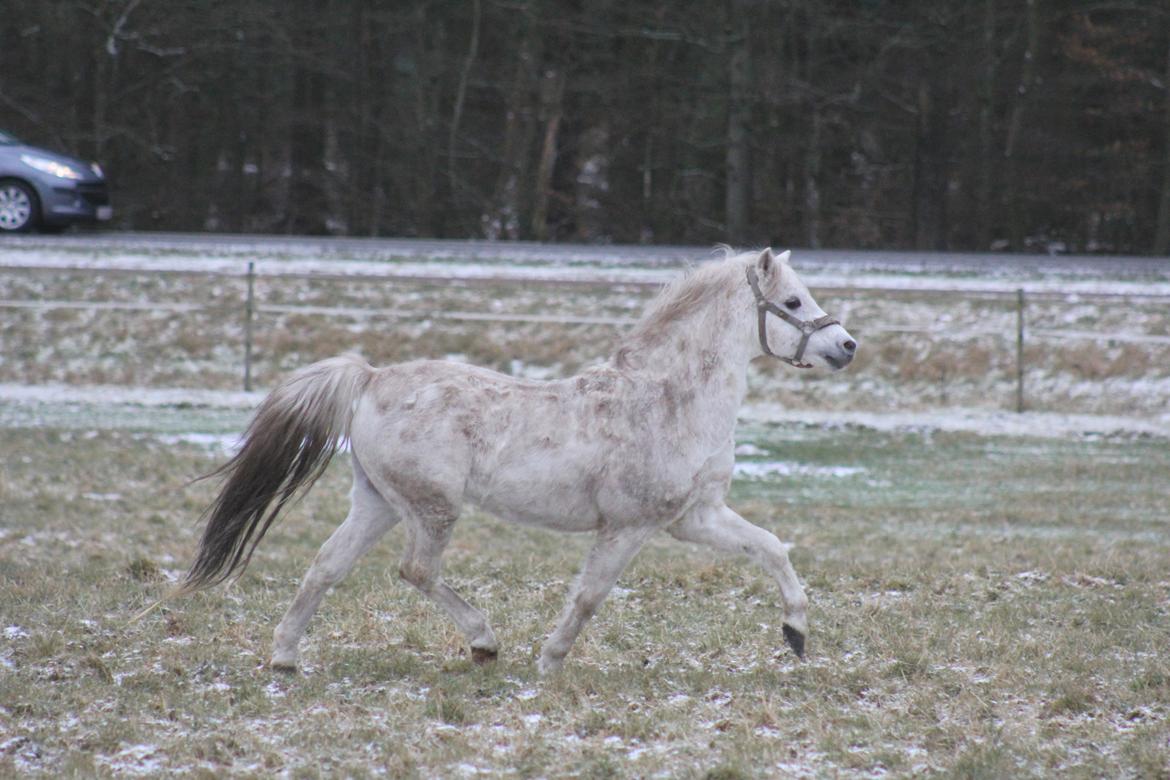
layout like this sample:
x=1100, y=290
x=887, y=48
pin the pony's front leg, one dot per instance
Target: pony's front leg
x=723, y=529
x=610, y=555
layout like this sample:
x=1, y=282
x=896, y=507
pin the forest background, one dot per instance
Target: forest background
x=1024, y=125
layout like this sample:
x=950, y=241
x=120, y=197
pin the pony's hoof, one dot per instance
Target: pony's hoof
x=795, y=640
x=284, y=667
x=481, y=656
x=547, y=665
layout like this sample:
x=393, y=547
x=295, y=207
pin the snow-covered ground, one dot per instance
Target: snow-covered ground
x=926, y=557
x=111, y=395
x=986, y=264
x=139, y=407
x=602, y=266
x=937, y=331
x=985, y=422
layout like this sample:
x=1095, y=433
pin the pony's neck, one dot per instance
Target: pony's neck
x=704, y=357
x=704, y=346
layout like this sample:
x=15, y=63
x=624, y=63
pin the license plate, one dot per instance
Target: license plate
x=105, y=212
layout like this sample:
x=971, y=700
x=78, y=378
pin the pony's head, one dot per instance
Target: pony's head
x=789, y=324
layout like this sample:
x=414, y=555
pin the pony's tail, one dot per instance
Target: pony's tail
x=295, y=432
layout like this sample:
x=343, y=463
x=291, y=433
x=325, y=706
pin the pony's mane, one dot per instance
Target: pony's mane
x=683, y=295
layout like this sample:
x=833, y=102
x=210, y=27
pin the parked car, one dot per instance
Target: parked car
x=44, y=190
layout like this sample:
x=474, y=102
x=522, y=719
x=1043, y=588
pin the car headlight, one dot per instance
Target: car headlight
x=51, y=167
x=97, y=170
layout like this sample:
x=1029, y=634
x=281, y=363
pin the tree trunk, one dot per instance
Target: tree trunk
x=737, y=194
x=428, y=219
x=306, y=206
x=592, y=183
x=1162, y=233
x=930, y=168
x=104, y=61
x=237, y=208
x=985, y=183
x=504, y=216
x=648, y=222
x=552, y=90
x=812, y=187
x=106, y=77
x=812, y=152
x=361, y=149
x=460, y=96
x=1015, y=207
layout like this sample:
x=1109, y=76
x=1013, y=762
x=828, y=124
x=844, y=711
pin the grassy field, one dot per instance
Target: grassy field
x=980, y=607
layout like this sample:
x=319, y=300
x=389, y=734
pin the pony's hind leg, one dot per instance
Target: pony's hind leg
x=421, y=567
x=369, y=518
x=724, y=530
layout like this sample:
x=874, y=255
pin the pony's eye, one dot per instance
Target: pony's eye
x=793, y=302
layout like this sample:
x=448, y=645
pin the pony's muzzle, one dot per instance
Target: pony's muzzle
x=842, y=353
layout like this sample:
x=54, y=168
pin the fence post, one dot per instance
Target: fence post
x=1020, y=350
x=248, y=311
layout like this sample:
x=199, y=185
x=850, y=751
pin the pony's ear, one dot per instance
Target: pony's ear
x=768, y=264
x=765, y=261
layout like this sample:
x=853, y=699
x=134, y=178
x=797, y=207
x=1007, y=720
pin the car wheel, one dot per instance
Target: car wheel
x=18, y=207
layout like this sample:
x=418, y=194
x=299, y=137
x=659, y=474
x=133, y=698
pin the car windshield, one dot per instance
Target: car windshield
x=5, y=138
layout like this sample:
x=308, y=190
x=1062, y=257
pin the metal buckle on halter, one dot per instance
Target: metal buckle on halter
x=806, y=327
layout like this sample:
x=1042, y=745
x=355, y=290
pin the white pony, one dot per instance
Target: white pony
x=639, y=444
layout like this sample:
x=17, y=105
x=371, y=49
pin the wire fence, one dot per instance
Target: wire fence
x=248, y=309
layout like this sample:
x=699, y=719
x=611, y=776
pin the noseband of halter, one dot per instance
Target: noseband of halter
x=806, y=327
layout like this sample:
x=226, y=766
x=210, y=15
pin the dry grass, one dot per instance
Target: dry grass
x=893, y=370
x=980, y=608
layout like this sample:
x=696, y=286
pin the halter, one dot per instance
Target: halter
x=806, y=327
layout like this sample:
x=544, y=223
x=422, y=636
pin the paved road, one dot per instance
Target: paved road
x=567, y=254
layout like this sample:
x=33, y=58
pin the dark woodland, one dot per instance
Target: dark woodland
x=1020, y=125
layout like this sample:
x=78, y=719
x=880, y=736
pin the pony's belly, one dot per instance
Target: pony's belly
x=552, y=487
x=520, y=506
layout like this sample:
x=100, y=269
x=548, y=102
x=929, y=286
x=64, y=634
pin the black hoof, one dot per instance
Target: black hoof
x=795, y=640
x=482, y=656
x=283, y=668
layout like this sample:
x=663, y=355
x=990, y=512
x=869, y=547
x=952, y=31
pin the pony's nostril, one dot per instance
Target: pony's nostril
x=849, y=345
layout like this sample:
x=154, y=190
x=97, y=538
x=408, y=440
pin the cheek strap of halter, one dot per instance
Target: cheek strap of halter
x=764, y=307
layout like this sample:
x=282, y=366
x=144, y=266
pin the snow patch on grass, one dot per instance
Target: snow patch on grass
x=986, y=422
x=134, y=760
x=223, y=444
x=115, y=394
x=780, y=468
x=504, y=262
